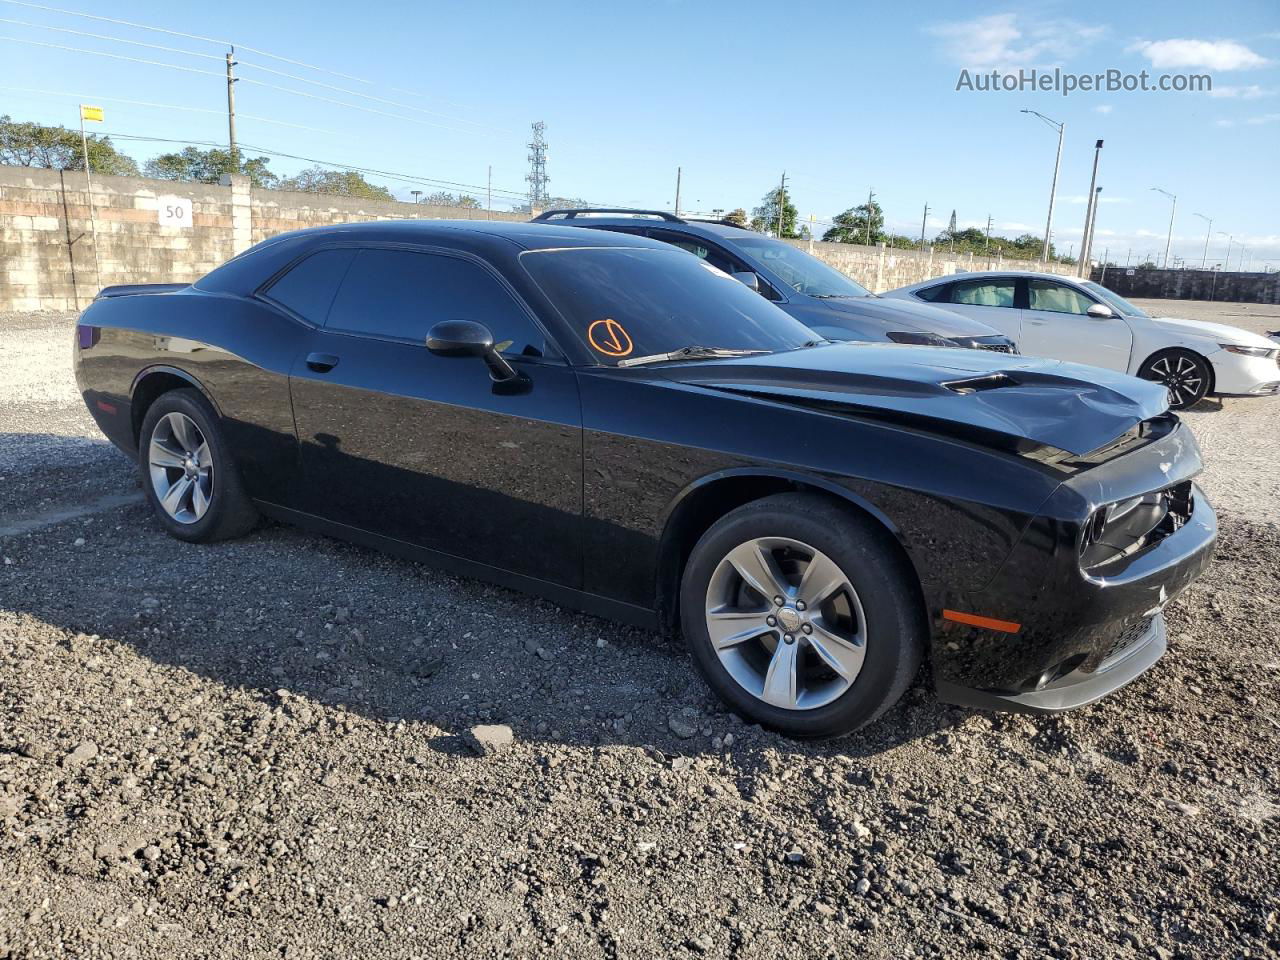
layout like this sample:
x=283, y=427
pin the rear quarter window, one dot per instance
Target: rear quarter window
x=935, y=294
x=309, y=286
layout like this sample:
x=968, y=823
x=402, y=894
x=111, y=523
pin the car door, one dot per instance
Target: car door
x=991, y=300
x=1056, y=323
x=427, y=449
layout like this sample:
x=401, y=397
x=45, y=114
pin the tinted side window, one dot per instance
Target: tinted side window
x=938, y=294
x=402, y=294
x=983, y=293
x=1056, y=297
x=718, y=258
x=308, y=288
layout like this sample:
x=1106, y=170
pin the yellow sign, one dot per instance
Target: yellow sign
x=90, y=113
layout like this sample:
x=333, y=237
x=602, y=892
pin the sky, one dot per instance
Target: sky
x=843, y=97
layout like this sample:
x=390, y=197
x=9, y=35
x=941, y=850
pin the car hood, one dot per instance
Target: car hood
x=905, y=315
x=1003, y=400
x=1218, y=332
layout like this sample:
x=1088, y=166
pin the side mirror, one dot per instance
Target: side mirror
x=466, y=338
x=1100, y=311
x=748, y=278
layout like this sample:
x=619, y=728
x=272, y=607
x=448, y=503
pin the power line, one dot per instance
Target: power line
x=365, y=96
x=101, y=36
x=193, y=36
x=113, y=56
x=261, y=83
x=164, y=106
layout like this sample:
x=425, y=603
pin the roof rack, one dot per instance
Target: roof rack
x=570, y=214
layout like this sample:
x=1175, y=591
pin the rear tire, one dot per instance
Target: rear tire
x=844, y=644
x=1185, y=374
x=188, y=473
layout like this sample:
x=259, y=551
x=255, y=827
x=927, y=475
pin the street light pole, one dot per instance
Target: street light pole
x=1169, y=239
x=1205, y=257
x=1053, y=190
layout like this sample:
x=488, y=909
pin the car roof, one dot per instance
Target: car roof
x=984, y=274
x=531, y=236
x=693, y=227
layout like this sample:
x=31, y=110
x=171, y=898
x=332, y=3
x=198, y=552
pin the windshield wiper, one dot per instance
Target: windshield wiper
x=688, y=353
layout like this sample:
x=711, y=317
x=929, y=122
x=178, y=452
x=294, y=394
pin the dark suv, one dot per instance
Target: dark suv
x=817, y=295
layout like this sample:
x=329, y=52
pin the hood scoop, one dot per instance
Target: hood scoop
x=992, y=381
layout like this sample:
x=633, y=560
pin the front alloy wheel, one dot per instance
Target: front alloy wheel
x=803, y=614
x=1184, y=374
x=786, y=623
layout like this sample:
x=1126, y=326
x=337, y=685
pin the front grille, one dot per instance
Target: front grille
x=996, y=347
x=1124, y=640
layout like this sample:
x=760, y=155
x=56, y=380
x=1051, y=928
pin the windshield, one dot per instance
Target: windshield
x=636, y=302
x=1118, y=303
x=801, y=272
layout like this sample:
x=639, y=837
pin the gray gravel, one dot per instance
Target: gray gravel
x=286, y=746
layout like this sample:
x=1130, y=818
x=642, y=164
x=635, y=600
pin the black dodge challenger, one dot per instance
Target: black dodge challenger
x=610, y=423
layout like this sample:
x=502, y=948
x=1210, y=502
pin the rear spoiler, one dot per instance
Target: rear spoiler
x=139, y=289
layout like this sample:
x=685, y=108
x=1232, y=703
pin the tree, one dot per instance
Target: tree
x=207, y=166
x=26, y=144
x=344, y=183
x=851, y=226
x=738, y=216
x=765, y=216
x=442, y=198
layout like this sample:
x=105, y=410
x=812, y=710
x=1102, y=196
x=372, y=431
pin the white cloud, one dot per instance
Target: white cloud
x=1103, y=108
x=1210, y=54
x=1258, y=121
x=1002, y=40
x=1249, y=92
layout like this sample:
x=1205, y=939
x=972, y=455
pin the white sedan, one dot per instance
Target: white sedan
x=1084, y=322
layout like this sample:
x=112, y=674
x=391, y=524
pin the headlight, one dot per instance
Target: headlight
x=921, y=339
x=1266, y=352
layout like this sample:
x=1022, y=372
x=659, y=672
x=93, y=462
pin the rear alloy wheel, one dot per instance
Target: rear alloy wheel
x=1186, y=375
x=188, y=472
x=802, y=615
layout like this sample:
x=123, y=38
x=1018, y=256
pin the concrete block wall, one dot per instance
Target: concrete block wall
x=1216, y=285
x=879, y=268
x=47, y=259
x=46, y=238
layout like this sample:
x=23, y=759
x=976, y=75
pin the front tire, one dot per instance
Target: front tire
x=188, y=472
x=802, y=615
x=1186, y=375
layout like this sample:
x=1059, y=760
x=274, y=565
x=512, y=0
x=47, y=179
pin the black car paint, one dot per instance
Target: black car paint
x=586, y=487
x=869, y=318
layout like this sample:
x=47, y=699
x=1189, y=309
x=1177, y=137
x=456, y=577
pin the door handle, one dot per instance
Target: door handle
x=321, y=362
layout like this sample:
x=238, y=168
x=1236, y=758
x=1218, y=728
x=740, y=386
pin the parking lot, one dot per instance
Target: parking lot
x=260, y=749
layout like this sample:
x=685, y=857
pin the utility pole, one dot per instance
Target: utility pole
x=1204, y=258
x=1088, y=215
x=1053, y=189
x=782, y=202
x=870, y=197
x=923, y=220
x=1087, y=244
x=231, y=112
x=1164, y=264
x=986, y=244
x=678, y=191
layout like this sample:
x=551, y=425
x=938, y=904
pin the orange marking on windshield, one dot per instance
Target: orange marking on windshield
x=609, y=337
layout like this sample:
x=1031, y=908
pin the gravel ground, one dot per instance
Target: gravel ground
x=275, y=748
